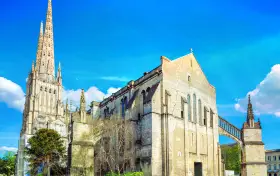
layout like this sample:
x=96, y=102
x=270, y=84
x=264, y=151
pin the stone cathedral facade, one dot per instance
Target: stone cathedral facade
x=173, y=109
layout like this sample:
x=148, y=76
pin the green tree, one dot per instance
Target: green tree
x=232, y=157
x=7, y=164
x=46, y=153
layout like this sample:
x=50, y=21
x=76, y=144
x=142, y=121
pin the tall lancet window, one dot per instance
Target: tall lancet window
x=189, y=108
x=194, y=109
x=124, y=103
x=122, y=108
x=199, y=112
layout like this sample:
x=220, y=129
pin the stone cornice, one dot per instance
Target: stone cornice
x=254, y=163
x=253, y=143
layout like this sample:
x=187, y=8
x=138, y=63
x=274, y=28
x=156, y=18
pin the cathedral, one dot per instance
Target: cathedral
x=172, y=107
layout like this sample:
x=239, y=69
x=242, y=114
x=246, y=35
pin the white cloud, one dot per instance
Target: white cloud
x=11, y=94
x=266, y=96
x=92, y=94
x=9, y=149
x=115, y=78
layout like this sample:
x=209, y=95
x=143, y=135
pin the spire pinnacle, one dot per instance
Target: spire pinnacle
x=249, y=99
x=47, y=60
x=250, y=113
x=41, y=28
x=59, y=76
x=33, y=68
x=83, y=101
x=39, y=47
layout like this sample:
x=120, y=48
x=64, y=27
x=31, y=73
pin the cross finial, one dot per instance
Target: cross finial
x=249, y=99
x=191, y=50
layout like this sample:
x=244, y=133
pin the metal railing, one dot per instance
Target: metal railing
x=228, y=127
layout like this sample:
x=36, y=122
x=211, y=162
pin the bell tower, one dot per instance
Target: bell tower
x=253, y=154
x=43, y=103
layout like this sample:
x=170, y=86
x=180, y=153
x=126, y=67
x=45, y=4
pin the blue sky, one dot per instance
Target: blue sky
x=102, y=44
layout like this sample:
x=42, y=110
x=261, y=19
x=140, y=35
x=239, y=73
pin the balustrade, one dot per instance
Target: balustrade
x=228, y=127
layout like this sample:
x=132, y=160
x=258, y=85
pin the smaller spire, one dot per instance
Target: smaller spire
x=33, y=67
x=59, y=71
x=39, y=47
x=83, y=100
x=250, y=113
x=41, y=27
x=249, y=99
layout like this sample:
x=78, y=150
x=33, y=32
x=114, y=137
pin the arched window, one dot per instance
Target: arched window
x=50, y=90
x=189, y=78
x=144, y=95
x=199, y=112
x=211, y=118
x=189, y=108
x=41, y=88
x=46, y=89
x=194, y=109
x=54, y=92
x=147, y=99
x=124, y=103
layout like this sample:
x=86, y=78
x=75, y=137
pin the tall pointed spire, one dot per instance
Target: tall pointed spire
x=250, y=113
x=39, y=47
x=47, y=60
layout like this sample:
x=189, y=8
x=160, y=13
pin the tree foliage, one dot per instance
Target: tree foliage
x=232, y=157
x=46, y=153
x=7, y=164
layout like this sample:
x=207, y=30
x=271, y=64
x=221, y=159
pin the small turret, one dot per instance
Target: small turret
x=83, y=107
x=59, y=77
x=250, y=114
x=82, y=101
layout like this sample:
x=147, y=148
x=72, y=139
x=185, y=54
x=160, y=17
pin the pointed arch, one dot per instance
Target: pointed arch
x=194, y=109
x=189, y=108
x=200, y=111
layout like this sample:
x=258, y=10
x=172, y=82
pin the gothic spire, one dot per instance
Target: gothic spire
x=83, y=100
x=47, y=60
x=39, y=47
x=59, y=76
x=59, y=71
x=250, y=113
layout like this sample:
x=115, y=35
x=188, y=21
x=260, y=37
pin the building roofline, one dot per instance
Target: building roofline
x=132, y=83
x=273, y=150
